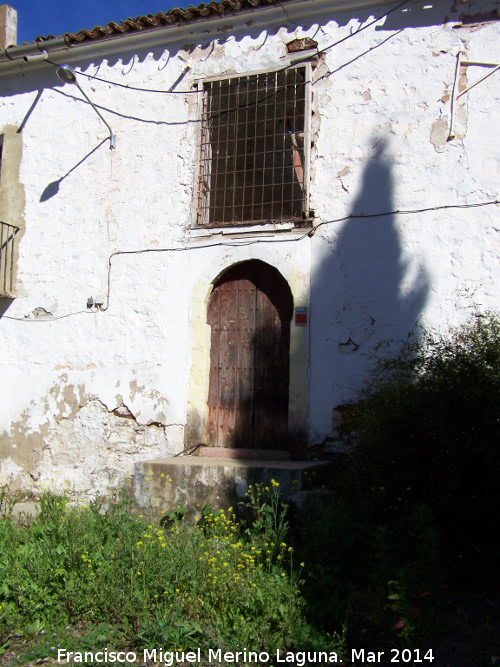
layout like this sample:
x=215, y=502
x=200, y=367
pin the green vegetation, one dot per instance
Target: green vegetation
x=430, y=422
x=414, y=520
x=73, y=576
x=416, y=516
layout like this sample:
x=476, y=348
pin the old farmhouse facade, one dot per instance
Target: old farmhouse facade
x=214, y=218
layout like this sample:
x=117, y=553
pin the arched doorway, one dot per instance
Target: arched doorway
x=249, y=312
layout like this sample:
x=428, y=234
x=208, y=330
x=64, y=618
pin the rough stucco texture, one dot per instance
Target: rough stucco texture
x=91, y=394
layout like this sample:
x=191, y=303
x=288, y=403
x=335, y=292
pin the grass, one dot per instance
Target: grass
x=86, y=578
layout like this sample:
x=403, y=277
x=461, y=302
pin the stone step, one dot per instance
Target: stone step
x=245, y=454
x=195, y=482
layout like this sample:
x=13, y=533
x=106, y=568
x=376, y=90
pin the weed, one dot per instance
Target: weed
x=265, y=513
x=7, y=501
x=210, y=585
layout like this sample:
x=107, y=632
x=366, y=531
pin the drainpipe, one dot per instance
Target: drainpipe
x=26, y=52
x=29, y=52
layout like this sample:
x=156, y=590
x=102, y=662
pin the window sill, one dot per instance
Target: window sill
x=288, y=229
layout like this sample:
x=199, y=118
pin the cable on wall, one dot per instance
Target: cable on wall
x=350, y=216
x=282, y=69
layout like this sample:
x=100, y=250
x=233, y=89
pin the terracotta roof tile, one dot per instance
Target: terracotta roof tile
x=176, y=15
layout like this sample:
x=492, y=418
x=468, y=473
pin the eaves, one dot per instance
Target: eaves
x=18, y=59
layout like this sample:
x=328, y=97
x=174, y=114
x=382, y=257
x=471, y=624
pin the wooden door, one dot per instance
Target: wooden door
x=249, y=312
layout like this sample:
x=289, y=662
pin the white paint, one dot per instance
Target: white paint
x=369, y=280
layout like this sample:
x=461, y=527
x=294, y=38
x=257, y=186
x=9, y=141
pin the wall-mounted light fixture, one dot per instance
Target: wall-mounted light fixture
x=68, y=75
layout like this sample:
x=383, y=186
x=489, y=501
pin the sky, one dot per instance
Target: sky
x=55, y=17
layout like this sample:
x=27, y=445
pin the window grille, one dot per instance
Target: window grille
x=254, y=149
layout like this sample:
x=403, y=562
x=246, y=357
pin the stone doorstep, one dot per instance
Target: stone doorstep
x=246, y=454
x=194, y=482
x=212, y=461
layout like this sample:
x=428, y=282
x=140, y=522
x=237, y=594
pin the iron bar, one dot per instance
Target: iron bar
x=7, y=242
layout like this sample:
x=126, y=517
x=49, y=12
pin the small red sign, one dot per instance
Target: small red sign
x=300, y=317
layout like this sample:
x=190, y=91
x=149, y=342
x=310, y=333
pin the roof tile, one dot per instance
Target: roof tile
x=150, y=21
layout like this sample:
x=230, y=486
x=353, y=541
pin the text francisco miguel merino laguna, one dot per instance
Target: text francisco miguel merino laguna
x=300, y=658
x=169, y=658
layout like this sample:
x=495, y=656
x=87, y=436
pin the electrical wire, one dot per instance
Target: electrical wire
x=254, y=241
x=350, y=216
x=231, y=83
x=47, y=319
x=282, y=69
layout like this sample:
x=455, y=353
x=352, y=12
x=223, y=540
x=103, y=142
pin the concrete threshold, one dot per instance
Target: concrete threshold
x=196, y=482
x=245, y=454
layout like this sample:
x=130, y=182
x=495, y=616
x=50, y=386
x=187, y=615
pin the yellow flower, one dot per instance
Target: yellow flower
x=302, y=565
x=274, y=483
x=138, y=573
x=162, y=474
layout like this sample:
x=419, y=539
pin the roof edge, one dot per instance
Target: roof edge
x=27, y=56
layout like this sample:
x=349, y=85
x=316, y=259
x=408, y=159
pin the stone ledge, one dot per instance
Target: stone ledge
x=245, y=454
x=195, y=482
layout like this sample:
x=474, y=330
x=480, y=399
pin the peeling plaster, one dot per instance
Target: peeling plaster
x=41, y=313
x=92, y=394
x=348, y=347
x=439, y=134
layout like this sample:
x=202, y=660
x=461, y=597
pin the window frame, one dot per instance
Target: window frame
x=306, y=219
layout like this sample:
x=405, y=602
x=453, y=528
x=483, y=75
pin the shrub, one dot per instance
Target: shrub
x=427, y=430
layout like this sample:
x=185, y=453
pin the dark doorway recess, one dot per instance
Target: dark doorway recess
x=249, y=312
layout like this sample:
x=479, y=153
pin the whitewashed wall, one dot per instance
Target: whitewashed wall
x=82, y=398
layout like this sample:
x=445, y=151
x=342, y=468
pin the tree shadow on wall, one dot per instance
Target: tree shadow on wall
x=366, y=292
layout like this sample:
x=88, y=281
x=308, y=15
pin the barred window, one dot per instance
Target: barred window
x=253, y=158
